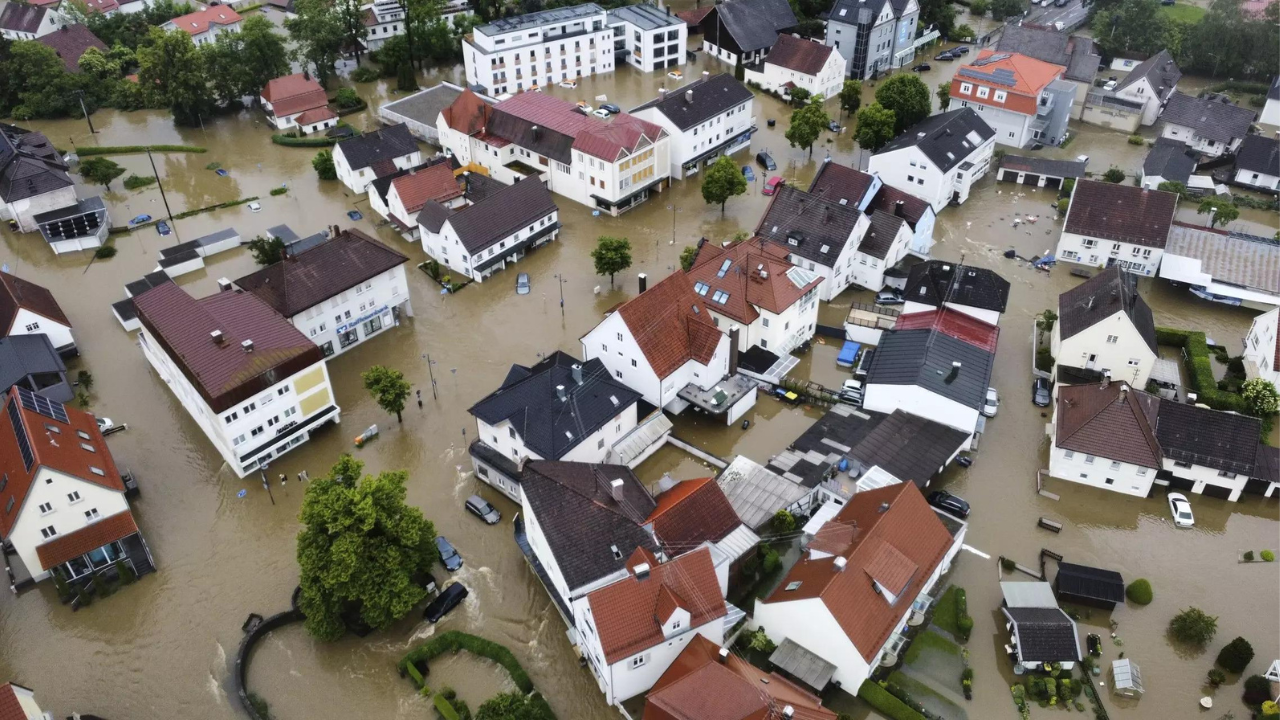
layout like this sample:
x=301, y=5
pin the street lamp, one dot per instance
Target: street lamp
x=432, y=374
x=560, y=280
x=672, y=207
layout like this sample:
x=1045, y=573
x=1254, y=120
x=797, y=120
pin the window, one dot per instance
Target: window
x=97, y=471
x=1133, y=362
x=232, y=417
x=32, y=327
x=984, y=92
x=46, y=508
x=1000, y=96
x=73, y=496
x=1088, y=459
x=1115, y=465
x=701, y=288
x=1142, y=472
x=618, y=373
x=638, y=662
x=48, y=532
x=720, y=296
x=283, y=390
x=256, y=431
x=1227, y=475
x=633, y=362
x=92, y=514
x=238, y=440
x=88, y=447
x=766, y=321
x=249, y=408
x=1068, y=454
x=1109, y=481
x=600, y=444
x=966, y=88
x=676, y=625
x=1113, y=339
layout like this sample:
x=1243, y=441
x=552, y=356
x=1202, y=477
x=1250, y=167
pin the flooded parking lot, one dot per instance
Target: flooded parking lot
x=161, y=647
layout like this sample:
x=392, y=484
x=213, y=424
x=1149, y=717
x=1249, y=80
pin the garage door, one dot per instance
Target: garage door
x=1052, y=183
x=1031, y=179
x=1256, y=486
x=1217, y=491
x=1178, y=483
x=1008, y=176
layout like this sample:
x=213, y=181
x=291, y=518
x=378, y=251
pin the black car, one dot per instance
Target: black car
x=949, y=503
x=766, y=161
x=481, y=508
x=447, y=600
x=611, y=108
x=449, y=556
x=1040, y=392
x=922, y=67
x=962, y=50
x=944, y=55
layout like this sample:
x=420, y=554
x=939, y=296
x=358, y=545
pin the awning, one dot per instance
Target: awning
x=803, y=665
x=633, y=444
x=1166, y=371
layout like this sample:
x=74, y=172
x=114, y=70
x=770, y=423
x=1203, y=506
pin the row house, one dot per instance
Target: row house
x=795, y=62
x=378, y=153
x=844, y=185
x=648, y=37
x=742, y=32
x=1025, y=100
x=1112, y=224
x=206, y=25
x=875, y=36
x=399, y=197
x=540, y=49
x=938, y=159
x=1104, y=329
x=709, y=117
x=972, y=290
x=30, y=309
x=297, y=101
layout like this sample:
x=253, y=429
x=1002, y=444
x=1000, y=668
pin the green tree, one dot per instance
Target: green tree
x=1136, y=26
x=1139, y=591
x=100, y=170
x=1236, y=655
x=171, y=73
x=964, y=32
x=405, y=80
x=1261, y=397
x=1222, y=211
x=1113, y=175
x=1001, y=9
x=318, y=33
x=351, y=20
x=323, y=164
x=908, y=97
x=783, y=522
x=262, y=53
x=266, y=250
x=1174, y=187
x=361, y=550
x=944, y=94
x=347, y=98
x=514, y=706
x=611, y=255
x=940, y=13
x=807, y=124
x=875, y=127
x=687, y=257
x=979, y=8
x=722, y=181
x=799, y=96
x=388, y=387
x=393, y=54
x=1194, y=626
x=851, y=96
x=43, y=86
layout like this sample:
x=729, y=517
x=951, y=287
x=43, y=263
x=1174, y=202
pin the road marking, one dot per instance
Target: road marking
x=977, y=552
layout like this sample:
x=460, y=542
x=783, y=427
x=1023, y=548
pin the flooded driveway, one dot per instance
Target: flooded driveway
x=161, y=648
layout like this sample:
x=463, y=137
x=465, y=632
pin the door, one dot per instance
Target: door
x=1008, y=176
x=1217, y=491
x=1031, y=179
x=1091, y=362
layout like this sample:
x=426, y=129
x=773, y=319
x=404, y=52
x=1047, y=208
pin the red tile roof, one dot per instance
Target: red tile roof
x=102, y=6
x=958, y=325
x=1109, y=422
x=693, y=17
x=316, y=115
x=699, y=686
x=606, y=139
x=1030, y=76
x=803, y=56
x=10, y=709
x=198, y=22
x=55, y=445
x=468, y=114
x=693, y=512
x=748, y=289
x=668, y=328
x=293, y=94
x=626, y=612
x=906, y=539
x=434, y=183
x=16, y=293
x=88, y=538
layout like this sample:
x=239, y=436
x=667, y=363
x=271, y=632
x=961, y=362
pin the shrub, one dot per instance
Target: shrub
x=365, y=73
x=967, y=674
x=1007, y=563
x=965, y=624
x=213, y=166
x=1248, y=556
x=412, y=669
x=347, y=98
x=884, y=702
x=133, y=182
x=279, y=191
x=105, y=252
x=1216, y=677
x=783, y=522
x=1269, y=710
x=1194, y=626
x=1268, y=556
x=1236, y=655
x=292, y=141
x=1139, y=591
x=1136, y=140
x=444, y=707
x=1036, y=688
x=771, y=560
x=454, y=641
x=1113, y=175
x=1257, y=690
x=259, y=707
x=1063, y=204
x=761, y=642
x=1201, y=369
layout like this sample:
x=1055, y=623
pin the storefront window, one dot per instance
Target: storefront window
x=373, y=326
x=348, y=338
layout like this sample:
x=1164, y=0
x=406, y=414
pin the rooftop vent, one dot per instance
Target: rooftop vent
x=615, y=489
x=217, y=338
x=841, y=564
x=223, y=284
x=247, y=346
x=884, y=507
x=723, y=655
x=577, y=373
x=788, y=712
x=688, y=97
x=642, y=571
x=560, y=392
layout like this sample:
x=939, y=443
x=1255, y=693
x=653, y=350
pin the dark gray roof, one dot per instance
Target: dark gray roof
x=549, y=426
x=425, y=106
x=29, y=164
x=1089, y=582
x=711, y=97
x=86, y=217
x=148, y=281
x=1044, y=166
x=1073, y=52
x=855, y=12
x=387, y=143
x=1101, y=296
x=23, y=355
x=1219, y=440
x=1044, y=635
x=755, y=24
x=20, y=17
x=1267, y=466
x=501, y=214
x=878, y=238
x=284, y=232
x=1259, y=154
x=909, y=447
x=643, y=16
x=1171, y=160
x=925, y=357
x=936, y=281
x=1159, y=69
x=805, y=224
x=1211, y=117
x=946, y=139
x=537, y=139
x=554, y=16
x=580, y=519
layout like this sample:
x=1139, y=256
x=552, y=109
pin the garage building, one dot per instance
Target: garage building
x=1038, y=172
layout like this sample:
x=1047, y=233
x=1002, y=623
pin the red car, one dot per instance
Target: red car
x=772, y=186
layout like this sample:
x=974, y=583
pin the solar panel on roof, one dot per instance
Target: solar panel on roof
x=999, y=76
x=43, y=405
x=20, y=432
x=997, y=57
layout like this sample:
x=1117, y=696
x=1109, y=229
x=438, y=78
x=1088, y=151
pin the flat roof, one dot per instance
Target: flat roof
x=643, y=16
x=1028, y=595
x=538, y=19
x=1248, y=261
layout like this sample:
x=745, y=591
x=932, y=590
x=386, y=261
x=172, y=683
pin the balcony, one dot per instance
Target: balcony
x=500, y=66
x=1045, y=105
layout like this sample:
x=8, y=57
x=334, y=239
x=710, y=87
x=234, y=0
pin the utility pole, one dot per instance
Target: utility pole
x=80, y=95
x=560, y=279
x=173, y=224
x=432, y=373
x=266, y=485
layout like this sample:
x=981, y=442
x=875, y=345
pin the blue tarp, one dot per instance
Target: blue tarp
x=847, y=354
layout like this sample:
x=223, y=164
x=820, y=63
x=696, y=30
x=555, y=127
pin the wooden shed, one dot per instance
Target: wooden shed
x=1084, y=585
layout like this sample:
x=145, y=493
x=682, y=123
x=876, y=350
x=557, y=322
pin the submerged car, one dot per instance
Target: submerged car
x=449, y=556
x=522, y=284
x=922, y=67
x=991, y=403
x=1181, y=510
x=481, y=508
x=748, y=174
x=888, y=297
x=766, y=161
x=447, y=600
x=944, y=55
x=162, y=227
x=771, y=186
x=948, y=503
x=1040, y=392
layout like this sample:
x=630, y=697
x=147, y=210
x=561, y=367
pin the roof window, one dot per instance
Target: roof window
x=793, y=585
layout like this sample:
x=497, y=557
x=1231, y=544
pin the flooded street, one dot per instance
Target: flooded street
x=162, y=648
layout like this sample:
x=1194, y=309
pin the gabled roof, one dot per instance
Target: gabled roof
x=109, y=529
x=896, y=543
x=16, y=294
x=1213, y=117
x=1073, y=52
x=694, y=17
x=711, y=96
x=468, y=113
x=854, y=12
x=691, y=513
x=1112, y=421
x=806, y=57
x=1044, y=635
x=754, y=274
x=1109, y=211
x=810, y=226
x=73, y=446
x=909, y=447
x=671, y=325
x=892, y=200
x=1089, y=582
x=1022, y=77
x=956, y=324
x=881, y=232
x=925, y=358
x=70, y=42
x=551, y=126
x=10, y=708
x=1245, y=261
x=224, y=374
x=935, y=282
x=293, y=94
x=1170, y=159
x=755, y=24
x=1219, y=440
x=23, y=18
x=29, y=164
x=626, y=612
x=382, y=145
x=23, y=355
x=198, y=22
x=1259, y=154
x=547, y=425
x=436, y=182
x=302, y=281
x=1160, y=71
x=842, y=184
x=496, y=216
x=1101, y=296
x=947, y=139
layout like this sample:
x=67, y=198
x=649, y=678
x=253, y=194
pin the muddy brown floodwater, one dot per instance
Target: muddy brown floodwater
x=162, y=648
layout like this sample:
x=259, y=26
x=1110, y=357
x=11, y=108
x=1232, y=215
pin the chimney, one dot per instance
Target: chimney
x=413, y=171
x=642, y=571
x=1124, y=390
x=723, y=655
x=217, y=338
x=706, y=73
x=900, y=209
x=577, y=373
x=644, y=282
x=560, y=393
x=733, y=349
x=247, y=346
x=841, y=563
x=688, y=97
x=223, y=284
x=1106, y=378
x=537, y=132
x=788, y=712
x=615, y=489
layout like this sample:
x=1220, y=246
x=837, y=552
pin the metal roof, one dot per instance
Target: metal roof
x=1028, y=595
x=803, y=664
x=756, y=493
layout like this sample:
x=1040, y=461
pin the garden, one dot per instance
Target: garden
x=524, y=704
x=1233, y=392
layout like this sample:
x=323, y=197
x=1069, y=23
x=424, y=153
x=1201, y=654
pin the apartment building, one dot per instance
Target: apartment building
x=648, y=37
x=709, y=117
x=874, y=36
x=385, y=20
x=1025, y=100
x=526, y=52
x=939, y=158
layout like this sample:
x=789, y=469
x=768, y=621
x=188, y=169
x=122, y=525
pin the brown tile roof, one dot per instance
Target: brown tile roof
x=836, y=182
x=671, y=325
x=16, y=293
x=1121, y=212
x=224, y=374
x=693, y=17
x=626, y=611
x=55, y=445
x=1113, y=422
x=315, y=115
x=86, y=539
x=309, y=278
x=693, y=512
x=468, y=114
x=10, y=709
x=906, y=539
x=70, y=42
x=803, y=56
x=954, y=323
x=21, y=17
x=434, y=183
x=199, y=22
x=102, y=6
x=698, y=686
x=515, y=117
x=294, y=94
x=747, y=289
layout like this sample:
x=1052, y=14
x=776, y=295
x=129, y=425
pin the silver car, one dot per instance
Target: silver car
x=481, y=508
x=991, y=403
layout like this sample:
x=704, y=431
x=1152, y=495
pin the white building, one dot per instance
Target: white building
x=377, y=153
x=849, y=598
x=33, y=177
x=974, y=291
x=1262, y=347
x=19, y=703
x=399, y=197
x=606, y=164
x=385, y=20
x=844, y=185
x=339, y=293
x=1025, y=100
x=632, y=630
x=1115, y=224
x=493, y=227
x=206, y=25
x=254, y=384
x=741, y=32
x=1271, y=110
x=1105, y=326
x=20, y=21
x=648, y=37
x=1151, y=84
x=29, y=309
x=540, y=49
x=794, y=62
x=1258, y=163
x=1234, y=268
x=1047, y=43
x=940, y=158
x=297, y=101
x=876, y=36
x=65, y=499
x=707, y=118
x=1210, y=125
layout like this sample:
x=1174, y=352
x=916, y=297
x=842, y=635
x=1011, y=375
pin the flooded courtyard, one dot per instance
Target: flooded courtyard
x=163, y=647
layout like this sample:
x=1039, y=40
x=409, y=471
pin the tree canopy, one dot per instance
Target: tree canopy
x=687, y=257
x=722, y=181
x=807, y=124
x=100, y=170
x=266, y=250
x=362, y=550
x=388, y=388
x=1194, y=626
x=851, y=96
x=908, y=97
x=1001, y=9
x=323, y=164
x=1223, y=211
x=319, y=33
x=171, y=73
x=875, y=127
x=1261, y=397
x=611, y=255
x=514, y=706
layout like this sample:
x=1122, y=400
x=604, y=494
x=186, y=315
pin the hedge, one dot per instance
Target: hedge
x=134, y=149
x=885, y=703
x=303, y=141
x=219, y=206
x=454, y=641
x=1139, y=591
x=444, y=707
x=1201, y=369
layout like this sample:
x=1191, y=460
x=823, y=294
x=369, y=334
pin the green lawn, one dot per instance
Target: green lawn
x=929, y=641
x=1189, y=14
x=944, y=612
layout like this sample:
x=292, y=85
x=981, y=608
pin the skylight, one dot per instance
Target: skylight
x=793, y=585
x=724, y=267
x=701, y=288
x=826, y=249
x=720, y=296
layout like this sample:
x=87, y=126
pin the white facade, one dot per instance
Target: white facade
x=446, y=247
x=1206, y=477
x=911, y=171
x=1099, y=472
x=595, y=448
x=388, y=22
x=1260, y=347
x=71, y=503
x=24, y=211
x=212, y=31
x=1113, y=344
x=1012, y=128
x=1142, y=92
x=779, y=333
x=839, y=276
x=26, y=322
x=1271, y=111
x=921, y=402
x=1262, y=181
x=539, y=49
x=356, y=314
x=253, y=425
x=358, y=180
x=49, y=22
x=733, y=126
x=827, y=82
x=649, y=48
x=1195, y=141
x=1098, y=253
